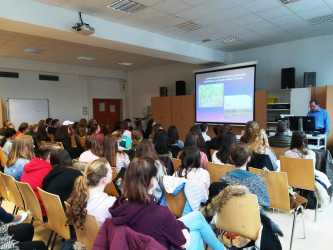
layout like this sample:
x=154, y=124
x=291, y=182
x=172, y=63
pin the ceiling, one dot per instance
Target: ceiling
x=229, y=24
x=13, y=45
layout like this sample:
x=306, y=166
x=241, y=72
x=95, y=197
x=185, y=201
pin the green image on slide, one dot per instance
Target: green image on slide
x=211, y=95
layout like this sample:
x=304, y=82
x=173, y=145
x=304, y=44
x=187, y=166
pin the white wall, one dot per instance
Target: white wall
x=307, y=55
x=66, y=97
x=144, y=84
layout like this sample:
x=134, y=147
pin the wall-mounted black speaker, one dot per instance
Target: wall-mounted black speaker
x=310, y=79
x=163, y=91
x=180, y=88
x=288, y=78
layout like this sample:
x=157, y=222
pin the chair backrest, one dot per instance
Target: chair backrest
x=176, y=203
x=176, y=164
x=56, y=217
x=216, y=171
x=3, y=189
x=277, y=186
x=279, y=151
x=13, y=192
x=30, y=200
x=300, y=172
x=241, y=215
x=88, y=233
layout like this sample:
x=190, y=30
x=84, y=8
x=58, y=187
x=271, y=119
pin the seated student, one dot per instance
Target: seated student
x=222, y=156
x=23, y=128
x=137, y=210
x=21, y=154
x=175, y=144
x=115, y=157
x=96, y=149
x=240, y=156
x=10, y=134
x=88, y=196
x=257, y=140
x=17, y=235
x=204, y=130
x=299, y=149
x=220, y=132
x=281, y=139
x=146, y=149
x=60, y=180
x=193, y=140
x=191, y=169
x=35, y=171
x=162, y=150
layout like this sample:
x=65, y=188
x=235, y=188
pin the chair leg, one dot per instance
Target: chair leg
x=303, y=222
x=54, y=241
x=50, y=239
x=293, y=230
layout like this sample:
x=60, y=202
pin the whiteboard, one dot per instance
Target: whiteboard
x=299, y=101
x=27, y=110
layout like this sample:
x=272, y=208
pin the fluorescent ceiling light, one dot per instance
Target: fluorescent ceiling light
x=126, y=64
x=86, y=58
x=33, y=50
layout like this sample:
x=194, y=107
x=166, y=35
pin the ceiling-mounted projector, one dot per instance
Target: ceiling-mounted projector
x=83, y=28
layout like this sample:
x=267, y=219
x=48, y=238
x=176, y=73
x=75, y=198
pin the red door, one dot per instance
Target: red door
x=107, y=112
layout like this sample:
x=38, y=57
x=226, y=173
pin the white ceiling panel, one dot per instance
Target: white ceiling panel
x=255, y=21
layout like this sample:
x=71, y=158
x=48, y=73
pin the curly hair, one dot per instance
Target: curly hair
x=77, y=211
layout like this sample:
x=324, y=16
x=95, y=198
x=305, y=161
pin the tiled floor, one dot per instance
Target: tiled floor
x=319, y=235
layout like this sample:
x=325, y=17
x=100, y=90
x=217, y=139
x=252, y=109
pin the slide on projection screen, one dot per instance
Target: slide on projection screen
x=225, y=95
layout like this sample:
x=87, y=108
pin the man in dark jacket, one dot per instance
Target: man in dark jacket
x=281, y=139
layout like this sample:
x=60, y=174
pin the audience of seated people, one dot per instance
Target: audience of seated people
x=143, y=164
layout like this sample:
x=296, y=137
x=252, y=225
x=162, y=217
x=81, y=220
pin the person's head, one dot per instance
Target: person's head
x=191, y=159
x=282, y=127
x=97, y=175
x=224, y=130
x=23, y=128
x=10, y=133
x=299, y=141
x=110, y=149
x=200, y=141
x=216, y=129
x=156, y=128
x=314, y=105
x=251, y=132
x=228, y=142
x=191, y=140
x=240, y=155
x=22, y=148
x=204, y=127
x=83, y=122
x=8, y=124
x=33, y=128
x=173, y=135
x=55, y=123
x=162, y=142
x=137, y=137
x=96, y=144
x=146, y=149
x=60, y=158
x=48, y=121
x=140, y=180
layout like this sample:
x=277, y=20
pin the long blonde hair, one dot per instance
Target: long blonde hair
x=22, y=148
x=78, y=199
x=255, y=138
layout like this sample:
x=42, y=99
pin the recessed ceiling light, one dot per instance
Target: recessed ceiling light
x=126, y=64
x=127, y=6
x=230, y=39
x=33, y=50
x=86, y=58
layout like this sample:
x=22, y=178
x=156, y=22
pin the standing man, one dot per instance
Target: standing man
x=322, y=119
